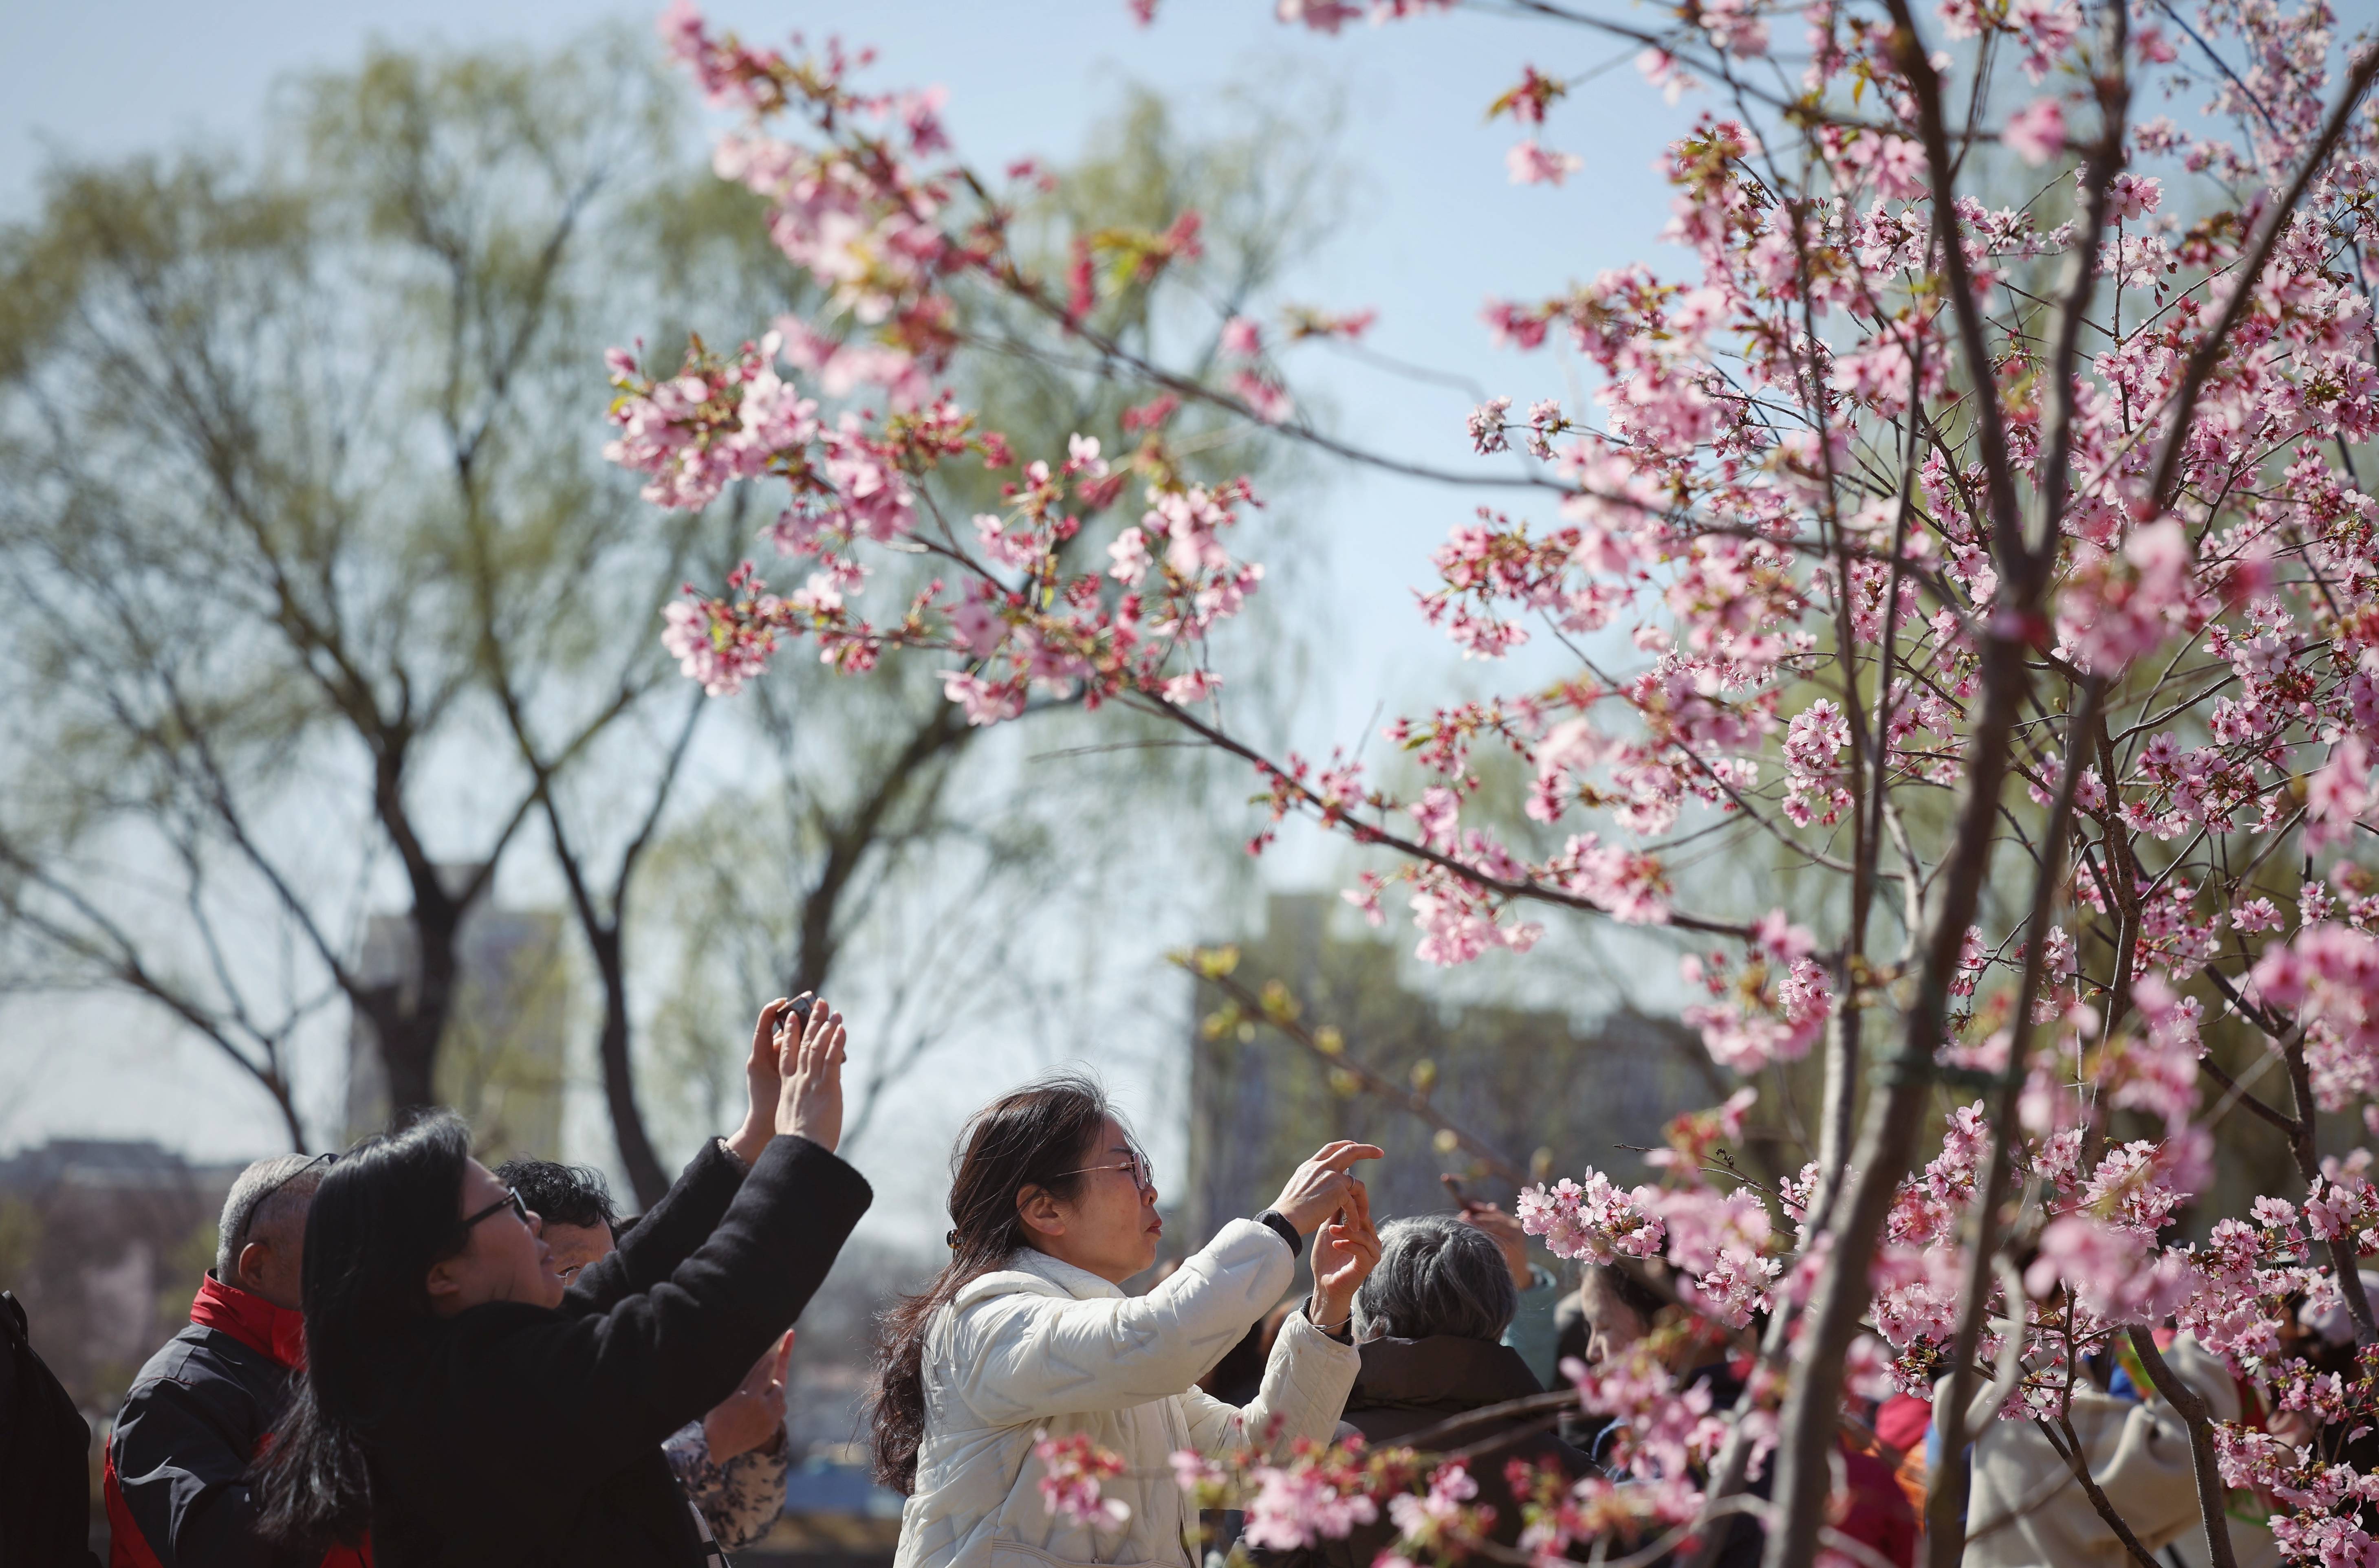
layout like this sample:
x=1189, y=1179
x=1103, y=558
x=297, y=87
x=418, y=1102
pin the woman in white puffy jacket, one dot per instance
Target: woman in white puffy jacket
x=1028, y=1331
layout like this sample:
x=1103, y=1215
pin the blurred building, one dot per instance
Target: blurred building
x=500, y=1063
x=1528, y=1082
x=105, y=1241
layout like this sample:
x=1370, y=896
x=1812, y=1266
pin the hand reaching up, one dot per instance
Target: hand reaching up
x=1510, y=1239
x=1344, y=1253
x=1317, y=1189
x=762, y=1079
x=809, y=1102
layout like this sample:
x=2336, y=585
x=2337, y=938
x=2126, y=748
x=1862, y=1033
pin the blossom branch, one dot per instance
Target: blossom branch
x=1947, y=1502
x=1364, y=833
x=1279, y=1010
x=2067, y=1442
x=2112, y=83
x=1990, y=419
x=2344, y=1253
x=2274, y=221
x=2204, y=1467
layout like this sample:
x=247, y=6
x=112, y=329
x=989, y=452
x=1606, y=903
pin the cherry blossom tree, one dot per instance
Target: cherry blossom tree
x=1942, y=546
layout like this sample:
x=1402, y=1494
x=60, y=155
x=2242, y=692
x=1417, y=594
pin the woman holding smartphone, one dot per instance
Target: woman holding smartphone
x=1028, y=1333
x=466, y=1407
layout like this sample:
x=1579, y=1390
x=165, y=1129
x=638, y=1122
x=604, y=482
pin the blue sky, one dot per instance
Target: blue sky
x=1433, y=227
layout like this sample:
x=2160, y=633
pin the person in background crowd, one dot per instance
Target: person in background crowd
x=2023, y=1507
x=1622, y=1312
x=1027, y=1334
x=1902, y=1422
x=175, y=1480
x=474, y=1411
x=1534, y=1332
x=732, y=1463
x=45, y=1455
x=1429, y=1325
x=1580, y=1428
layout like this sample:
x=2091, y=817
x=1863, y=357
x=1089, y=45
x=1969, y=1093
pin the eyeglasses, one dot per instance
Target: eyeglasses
x=511, y=1199
x=1135, y=1166
x=239, y=1236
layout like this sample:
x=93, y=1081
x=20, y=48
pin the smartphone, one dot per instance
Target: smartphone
x=789, y=1023
x=1462, y=1200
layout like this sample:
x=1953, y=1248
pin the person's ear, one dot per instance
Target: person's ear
x=250, y=1262
x=446, y=1277
x=1037, y=1207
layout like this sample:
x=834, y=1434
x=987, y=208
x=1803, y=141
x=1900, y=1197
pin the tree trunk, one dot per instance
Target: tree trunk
x=278, y=1087
x=408, y=1014
x=644, y=1166
x=1805, y=1468
x=408, y=1054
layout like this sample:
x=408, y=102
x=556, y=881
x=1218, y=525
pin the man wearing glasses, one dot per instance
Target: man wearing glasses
x=733, y=1462
x=205, y=1405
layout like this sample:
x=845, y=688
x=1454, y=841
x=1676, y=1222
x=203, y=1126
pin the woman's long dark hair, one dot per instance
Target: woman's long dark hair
x=387, y=1211
x=1032, y=1138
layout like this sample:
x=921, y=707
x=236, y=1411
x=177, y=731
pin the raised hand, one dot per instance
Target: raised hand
x=1504, y=1231
x=1318, y=1189
x=809, y=1102
x=762, y=1079
x=750, y=1416
x=1344, y=1253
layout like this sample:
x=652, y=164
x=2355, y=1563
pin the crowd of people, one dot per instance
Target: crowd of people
x=403, y=1358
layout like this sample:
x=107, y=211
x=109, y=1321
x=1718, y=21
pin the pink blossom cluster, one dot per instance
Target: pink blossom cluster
x=1321, y=1493
x=1072, y=1470
x=1442, y=1522
x=1773, y=1010
x=2327, y=979
x=1593, y=1221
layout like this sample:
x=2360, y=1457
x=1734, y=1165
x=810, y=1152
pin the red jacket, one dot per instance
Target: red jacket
x=200, y=1411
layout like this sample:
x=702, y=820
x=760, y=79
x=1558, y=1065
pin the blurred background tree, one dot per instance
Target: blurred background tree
x=297, y=480
x=323, y=602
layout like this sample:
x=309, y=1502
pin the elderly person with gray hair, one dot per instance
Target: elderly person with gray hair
x=1428, y=1324
x=176, y=1483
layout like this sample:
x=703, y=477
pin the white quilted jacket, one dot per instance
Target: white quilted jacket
x=1043, y=1344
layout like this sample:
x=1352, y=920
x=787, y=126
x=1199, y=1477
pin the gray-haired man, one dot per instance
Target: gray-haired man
x=204, y=1405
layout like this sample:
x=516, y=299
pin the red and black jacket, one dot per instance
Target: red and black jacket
x=203, y=1409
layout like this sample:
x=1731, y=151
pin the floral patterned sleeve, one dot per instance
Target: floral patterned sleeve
x=742, y=1498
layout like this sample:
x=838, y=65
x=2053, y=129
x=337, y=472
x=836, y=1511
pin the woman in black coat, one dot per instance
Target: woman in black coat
x=468, y=1409
x=1428, y=1324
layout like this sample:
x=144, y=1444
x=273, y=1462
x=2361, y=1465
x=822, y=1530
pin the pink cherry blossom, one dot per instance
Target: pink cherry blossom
x=1532, y=165
x=1071, y=1471
x=2036, y=132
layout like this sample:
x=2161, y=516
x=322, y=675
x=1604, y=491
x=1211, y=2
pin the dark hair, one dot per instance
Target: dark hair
x=387, y=1211
x=1035, y=1137
x=562, y=1195
x=1437, y=1275
x=1628, y=1291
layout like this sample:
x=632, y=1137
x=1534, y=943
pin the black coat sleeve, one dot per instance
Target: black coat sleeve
x=607, y=1387
x=180, y=1467
x=658, y=1243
